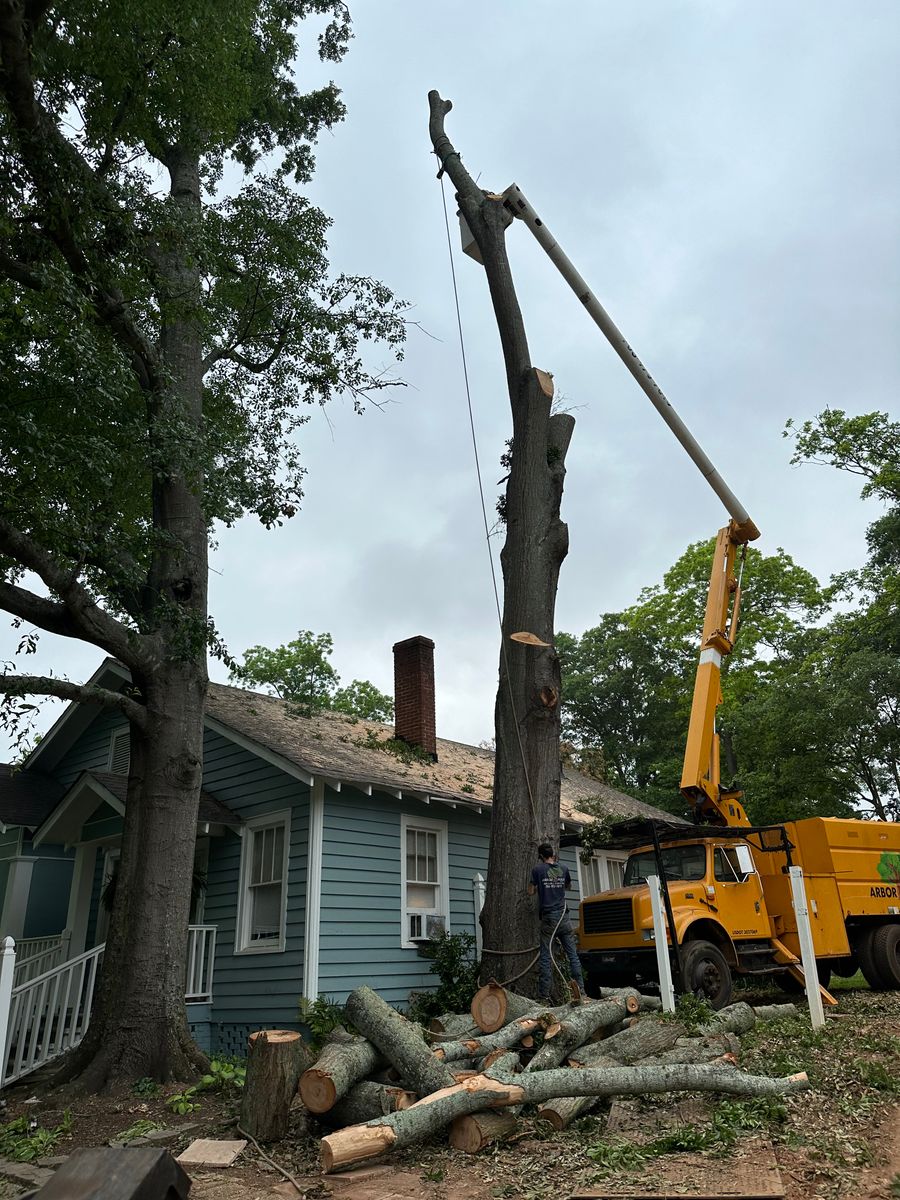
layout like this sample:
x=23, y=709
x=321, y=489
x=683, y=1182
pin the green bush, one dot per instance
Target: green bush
x=455, y=964
x=321, y=1016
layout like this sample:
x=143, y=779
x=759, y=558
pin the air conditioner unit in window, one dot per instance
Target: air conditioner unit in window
x=435, y=926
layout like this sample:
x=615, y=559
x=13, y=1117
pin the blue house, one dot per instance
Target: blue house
x=332, y=847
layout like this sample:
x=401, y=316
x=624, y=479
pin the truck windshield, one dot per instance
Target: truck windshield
x=679, y=862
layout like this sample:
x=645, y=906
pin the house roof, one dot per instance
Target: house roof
x=350, y=750
x=26, y=797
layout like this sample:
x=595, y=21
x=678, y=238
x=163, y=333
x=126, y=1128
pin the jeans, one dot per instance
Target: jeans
x=562, y=924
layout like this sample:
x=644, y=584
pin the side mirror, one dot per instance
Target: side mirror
x=745, y=860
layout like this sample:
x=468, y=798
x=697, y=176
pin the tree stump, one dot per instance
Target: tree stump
x=275, y=1061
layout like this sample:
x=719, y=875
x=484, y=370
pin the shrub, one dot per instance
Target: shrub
x=455, y=964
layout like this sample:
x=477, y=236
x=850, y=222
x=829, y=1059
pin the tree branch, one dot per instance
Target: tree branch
x=88, y=620
x=63, y=689
x=18, y=272
x=50, y=160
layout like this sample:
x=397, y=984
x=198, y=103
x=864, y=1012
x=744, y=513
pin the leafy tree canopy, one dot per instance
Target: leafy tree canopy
x=300, y=672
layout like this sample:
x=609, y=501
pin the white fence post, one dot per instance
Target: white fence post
x=478, y=894
x=7, y=972
x=667, y=991
x=807, y=949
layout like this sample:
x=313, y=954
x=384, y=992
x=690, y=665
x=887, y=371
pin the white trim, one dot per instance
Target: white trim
x=69, y=807
x=80, y=896
x=313, y=889
x=115, y=737
x=18, y=889
x=263, y=752
x=242, y=944
x=443, y=852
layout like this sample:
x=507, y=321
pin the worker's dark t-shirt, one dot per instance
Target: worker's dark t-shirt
x=551, y=881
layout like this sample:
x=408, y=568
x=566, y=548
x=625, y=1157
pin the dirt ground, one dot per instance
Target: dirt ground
x=840, y=1139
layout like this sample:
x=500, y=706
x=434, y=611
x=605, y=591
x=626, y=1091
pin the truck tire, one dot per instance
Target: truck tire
x=706, y=973
x=868, y=964
x=886, y=955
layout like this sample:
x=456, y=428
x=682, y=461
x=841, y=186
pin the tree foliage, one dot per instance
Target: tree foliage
x=810, y=723
x=167, y=318
x=300, y=672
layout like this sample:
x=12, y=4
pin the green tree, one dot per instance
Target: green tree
x=300, y=672
x=161, y=337
x=628, y=681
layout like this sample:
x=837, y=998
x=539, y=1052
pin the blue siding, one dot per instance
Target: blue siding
x=91, y=751
x=48, y=896
x=252, y=991
x=360, y=931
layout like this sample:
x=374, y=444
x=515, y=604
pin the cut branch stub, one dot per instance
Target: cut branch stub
x=340, y=1065
x=493, y=1007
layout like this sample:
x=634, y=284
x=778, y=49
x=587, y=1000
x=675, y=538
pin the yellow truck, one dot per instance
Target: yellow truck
x=725, y=883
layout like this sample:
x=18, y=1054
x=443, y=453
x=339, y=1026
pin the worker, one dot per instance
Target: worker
x=551, y=882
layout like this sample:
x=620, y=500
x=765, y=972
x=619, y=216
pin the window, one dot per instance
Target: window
x=424, y=874
x=264, y=862
x=732, y=863
x=120, y=752
x=679, y=862
x=601, y=874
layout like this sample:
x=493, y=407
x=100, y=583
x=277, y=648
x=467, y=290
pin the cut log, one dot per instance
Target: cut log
x=736, y=1018
x=366, y=1101
x=477, y=1130
x=774, y=1012
x=510, y=1035
x=455, y=1024
x=647, y=1037
x=340, y=1065
x=561, y=1112
x=499, y=1088
x=575, y=1028
x=399, y=1040
x=493, y=1007
x=275, y=1061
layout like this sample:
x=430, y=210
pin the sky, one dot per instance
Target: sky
x=725, y=176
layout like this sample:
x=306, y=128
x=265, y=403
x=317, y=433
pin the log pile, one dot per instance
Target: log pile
x=472, y=1073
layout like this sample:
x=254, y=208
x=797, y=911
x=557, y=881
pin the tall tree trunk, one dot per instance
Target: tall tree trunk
x=138, y=1025
x=527, y=771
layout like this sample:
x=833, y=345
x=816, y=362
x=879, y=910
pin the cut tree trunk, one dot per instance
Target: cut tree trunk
x=512, y=1034
x=576, y=1027
x=499, y=1088
x=366, y=1101
x=527, y=770
x=478, y=1130
x=275, y=1062
x=398, y=1039
x=645, y=1038
x=339, y=1066
x=494, y=1006
x=561, y=1112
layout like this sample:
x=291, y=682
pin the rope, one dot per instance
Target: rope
x=487, y=531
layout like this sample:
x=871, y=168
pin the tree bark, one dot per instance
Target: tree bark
x=398, y=1039
x=275, y=1061
x=366, y=1101
x=454, y=1024
x=498, y=1088
x=527, y=770
x=339, y=1066
x=575, y=1029
x=510, y=1035
x=562, y=1111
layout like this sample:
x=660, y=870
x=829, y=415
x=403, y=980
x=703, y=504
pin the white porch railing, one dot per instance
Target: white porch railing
x=34, y=956
x=46, y=1014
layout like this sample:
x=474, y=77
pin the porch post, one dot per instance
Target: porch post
x=15, y=905
x=7, y=975
x=80, y=897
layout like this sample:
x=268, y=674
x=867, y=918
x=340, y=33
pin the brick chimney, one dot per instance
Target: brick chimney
x=414, y=694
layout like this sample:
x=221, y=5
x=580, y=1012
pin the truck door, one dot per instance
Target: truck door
x=739, y=895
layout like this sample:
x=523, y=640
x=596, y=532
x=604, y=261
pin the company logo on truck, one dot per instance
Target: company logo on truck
x=889, y=870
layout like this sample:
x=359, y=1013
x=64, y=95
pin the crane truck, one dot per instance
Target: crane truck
x=725, y=882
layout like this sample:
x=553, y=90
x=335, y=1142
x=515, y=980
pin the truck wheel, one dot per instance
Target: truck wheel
x=868, y=964
x=886, y=955
x=844, y=968
x=706, y=973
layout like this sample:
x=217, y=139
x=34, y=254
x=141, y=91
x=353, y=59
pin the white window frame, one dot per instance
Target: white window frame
x=602, y=859
x=443, y=884
x=242, y=943
x=118, y=736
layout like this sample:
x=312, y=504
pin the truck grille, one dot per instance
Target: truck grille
x=608, y=916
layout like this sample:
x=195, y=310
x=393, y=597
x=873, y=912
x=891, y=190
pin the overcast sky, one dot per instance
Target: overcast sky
x=726, y=176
